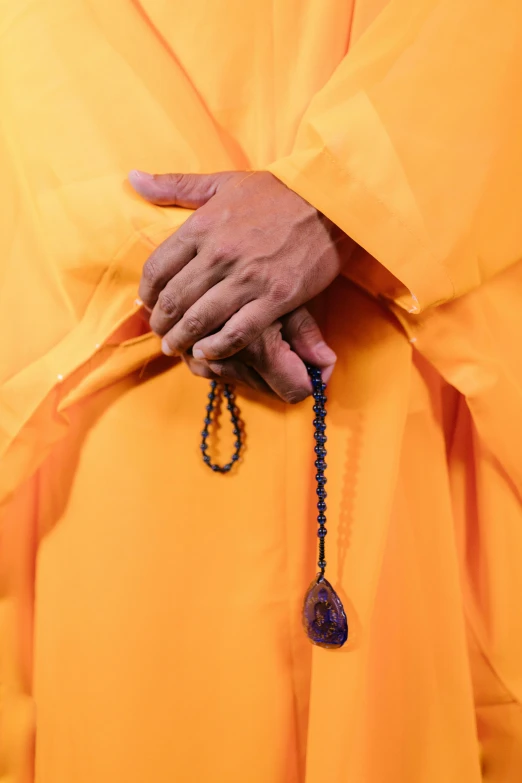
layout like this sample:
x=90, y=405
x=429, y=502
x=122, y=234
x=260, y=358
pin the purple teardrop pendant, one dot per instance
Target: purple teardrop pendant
x=324, y=618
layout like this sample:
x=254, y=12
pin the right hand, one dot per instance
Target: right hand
x=275, y=363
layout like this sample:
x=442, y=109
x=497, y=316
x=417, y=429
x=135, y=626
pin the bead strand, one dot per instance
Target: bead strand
x=320, y=398
x=229, y=395
x=324, y=618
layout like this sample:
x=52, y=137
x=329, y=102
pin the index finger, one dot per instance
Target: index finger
x=240, y=331
x=166, y=261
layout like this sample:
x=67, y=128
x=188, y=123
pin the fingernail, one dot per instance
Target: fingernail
x=197, y=353
x=325, y=353
x=167, y=350
x=327, y=374
x=139, y=176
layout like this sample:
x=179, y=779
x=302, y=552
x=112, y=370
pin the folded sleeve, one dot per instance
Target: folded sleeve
x=413, y=148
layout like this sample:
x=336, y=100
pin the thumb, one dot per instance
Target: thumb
x=300, y=330
x=180, y=190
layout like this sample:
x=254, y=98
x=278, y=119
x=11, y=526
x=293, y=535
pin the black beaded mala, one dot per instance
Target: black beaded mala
x=324, y=618
x=320, y=449
x=230, y=397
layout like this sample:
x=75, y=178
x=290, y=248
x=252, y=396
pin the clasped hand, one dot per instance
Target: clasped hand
x=234, y=279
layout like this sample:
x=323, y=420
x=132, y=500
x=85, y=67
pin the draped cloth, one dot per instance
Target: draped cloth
x=150, y=610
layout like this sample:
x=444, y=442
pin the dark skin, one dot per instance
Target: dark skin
x=231, y=282
x=274, y=363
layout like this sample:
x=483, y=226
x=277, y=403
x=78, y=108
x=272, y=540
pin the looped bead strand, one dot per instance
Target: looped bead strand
x=228, y=393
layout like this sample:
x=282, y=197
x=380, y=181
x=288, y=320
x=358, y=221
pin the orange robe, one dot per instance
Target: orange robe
x=150, y=610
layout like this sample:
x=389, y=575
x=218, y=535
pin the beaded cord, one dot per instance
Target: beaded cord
x=211, y=408
x=319, y=388
x=324, y=619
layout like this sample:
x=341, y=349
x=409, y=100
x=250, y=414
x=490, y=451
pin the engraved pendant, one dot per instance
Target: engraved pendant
x=324, y=618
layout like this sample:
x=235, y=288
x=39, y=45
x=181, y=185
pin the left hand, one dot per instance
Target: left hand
x=274, y=364
x=253, y=251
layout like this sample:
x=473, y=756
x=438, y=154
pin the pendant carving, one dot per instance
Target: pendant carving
x=324, y=618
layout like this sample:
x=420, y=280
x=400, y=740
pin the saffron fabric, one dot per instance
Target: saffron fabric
x=150, y=610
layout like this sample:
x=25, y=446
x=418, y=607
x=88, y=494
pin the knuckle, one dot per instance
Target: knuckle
x=175, y=181
x=151, y=271
x=236, y=338
x=226, y=213
x=272, y=335
x=281, y=290
x=167, y=303
x=224, y=250
x=194, y=324
x=268, y=345
x=199, y=222
x=186, y=185
x=306, y=325
x=247, y=275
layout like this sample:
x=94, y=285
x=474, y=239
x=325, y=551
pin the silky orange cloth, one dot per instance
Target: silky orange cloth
x=150, y=610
